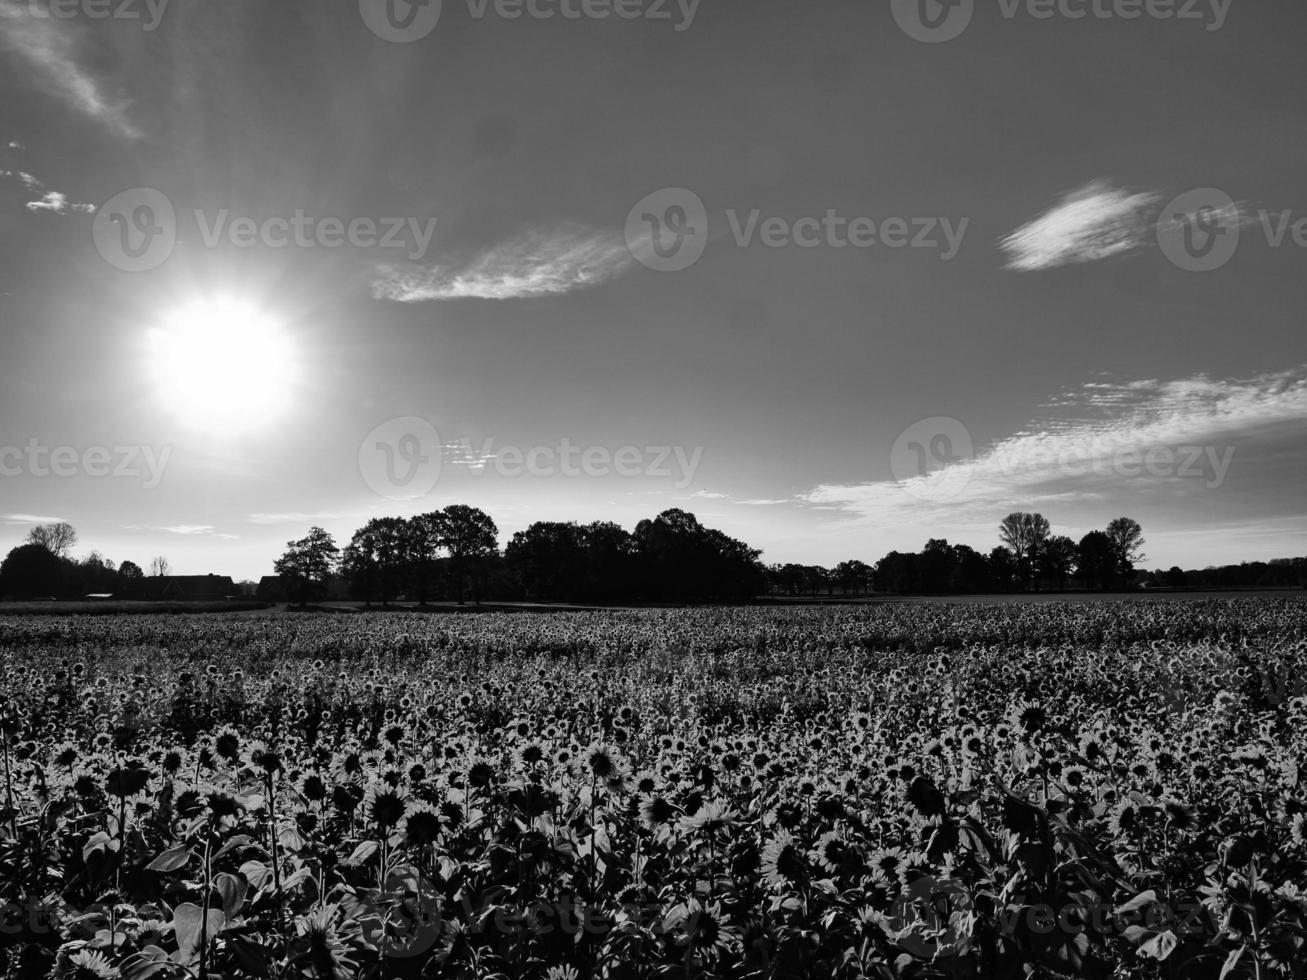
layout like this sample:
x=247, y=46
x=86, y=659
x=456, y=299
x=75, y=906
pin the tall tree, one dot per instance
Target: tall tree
x=1127, y=539
x=426, y=539
x=1024, y=535
x=308, y=564
x=469, y=536
x=58, y=539
x=377, y=556
x=1096, y=560
x=159, y=566
x=1058, y=560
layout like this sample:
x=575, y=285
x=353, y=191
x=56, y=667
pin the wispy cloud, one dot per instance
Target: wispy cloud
x=24, y=178
x=59, y=204
x=187, y=530
x=1087, y=225
x=50, y=47
x=293, y=517
x=535, y=264
x=1113, y=440
x=54, y=201
x=30, y=519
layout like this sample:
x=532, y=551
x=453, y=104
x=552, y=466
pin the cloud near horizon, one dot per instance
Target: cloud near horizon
x=1113, y=442
x=532, y=265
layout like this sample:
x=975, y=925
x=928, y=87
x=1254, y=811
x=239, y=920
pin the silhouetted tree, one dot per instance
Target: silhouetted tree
x=31, y=571
x=307, y=565
x=1127, y=543
x=58, y=538
x=682, y=560
x=470, y=537
x=377, y=557
x=1004, y=569
x=1096, y=560
x=1058, y=559
x=1024, y=535
x=854, y=576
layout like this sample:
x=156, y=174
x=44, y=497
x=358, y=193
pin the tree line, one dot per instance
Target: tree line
x=453, y=554
x=1028, y=558
x=42, y=567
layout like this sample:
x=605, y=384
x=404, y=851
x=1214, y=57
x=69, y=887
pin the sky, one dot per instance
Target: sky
x=836, y=277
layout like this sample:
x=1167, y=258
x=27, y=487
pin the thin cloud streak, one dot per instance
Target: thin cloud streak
x=49, y=47
x=1078, y=459
x=536, y=264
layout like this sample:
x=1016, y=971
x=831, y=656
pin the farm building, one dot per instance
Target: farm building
x=188, y=588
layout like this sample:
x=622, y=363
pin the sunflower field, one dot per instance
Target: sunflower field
x=895, y=791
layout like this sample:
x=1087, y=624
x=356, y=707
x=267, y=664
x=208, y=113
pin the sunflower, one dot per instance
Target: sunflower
x=834, y=853
x=227, y=744
x=421, y=823
x=312, y=787
x=324, y=954
x=83, y=964
x=656, y=810
x=603, y=760
x=704, y=928
x=782, y=862
x=709, y=818
x=892, y=862
x=383, y=805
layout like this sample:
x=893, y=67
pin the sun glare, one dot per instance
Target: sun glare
x=222, y=363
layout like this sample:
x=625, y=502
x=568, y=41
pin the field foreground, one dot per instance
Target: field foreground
x=907, y=790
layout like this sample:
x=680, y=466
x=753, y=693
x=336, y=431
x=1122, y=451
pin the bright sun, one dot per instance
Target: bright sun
x=222, y=363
